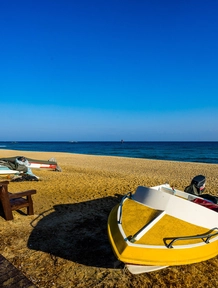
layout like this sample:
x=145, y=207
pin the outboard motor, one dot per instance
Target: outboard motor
x=197, y=185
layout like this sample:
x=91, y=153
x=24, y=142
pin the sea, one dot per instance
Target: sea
x=201, y=152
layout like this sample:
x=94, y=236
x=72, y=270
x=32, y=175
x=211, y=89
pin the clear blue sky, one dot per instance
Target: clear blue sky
x=109, y=70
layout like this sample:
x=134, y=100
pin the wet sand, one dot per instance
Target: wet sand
x=65, y=243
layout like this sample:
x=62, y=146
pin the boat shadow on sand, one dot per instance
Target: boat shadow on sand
x=76, y=232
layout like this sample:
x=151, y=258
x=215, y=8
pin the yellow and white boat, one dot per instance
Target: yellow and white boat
x=160, y=226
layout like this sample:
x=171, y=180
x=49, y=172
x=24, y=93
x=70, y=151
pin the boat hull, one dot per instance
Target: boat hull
x=128, y=252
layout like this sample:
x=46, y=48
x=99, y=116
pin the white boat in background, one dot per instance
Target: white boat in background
x=6, y=171
x=161, y=226
x=50, y=164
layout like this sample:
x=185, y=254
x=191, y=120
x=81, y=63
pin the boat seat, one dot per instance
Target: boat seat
x=15, y=201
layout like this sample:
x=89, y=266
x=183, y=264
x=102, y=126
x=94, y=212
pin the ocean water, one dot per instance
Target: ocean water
x=202, y=152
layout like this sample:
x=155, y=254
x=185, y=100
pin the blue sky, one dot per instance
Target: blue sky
x=109, y=70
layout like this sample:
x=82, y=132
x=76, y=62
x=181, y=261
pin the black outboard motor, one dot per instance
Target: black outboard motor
x=197, y=187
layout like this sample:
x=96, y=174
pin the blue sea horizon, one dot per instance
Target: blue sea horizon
x=185, y=151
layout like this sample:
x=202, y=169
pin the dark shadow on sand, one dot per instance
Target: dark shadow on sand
x=76, y=232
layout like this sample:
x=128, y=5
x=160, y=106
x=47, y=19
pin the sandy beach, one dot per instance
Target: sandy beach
x=65, y=243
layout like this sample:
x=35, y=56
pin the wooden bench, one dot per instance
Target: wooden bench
x=11, y=277
x=15, y=201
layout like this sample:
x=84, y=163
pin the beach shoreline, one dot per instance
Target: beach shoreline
x=66, y=239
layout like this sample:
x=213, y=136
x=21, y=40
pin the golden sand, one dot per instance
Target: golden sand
x=65, y=243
